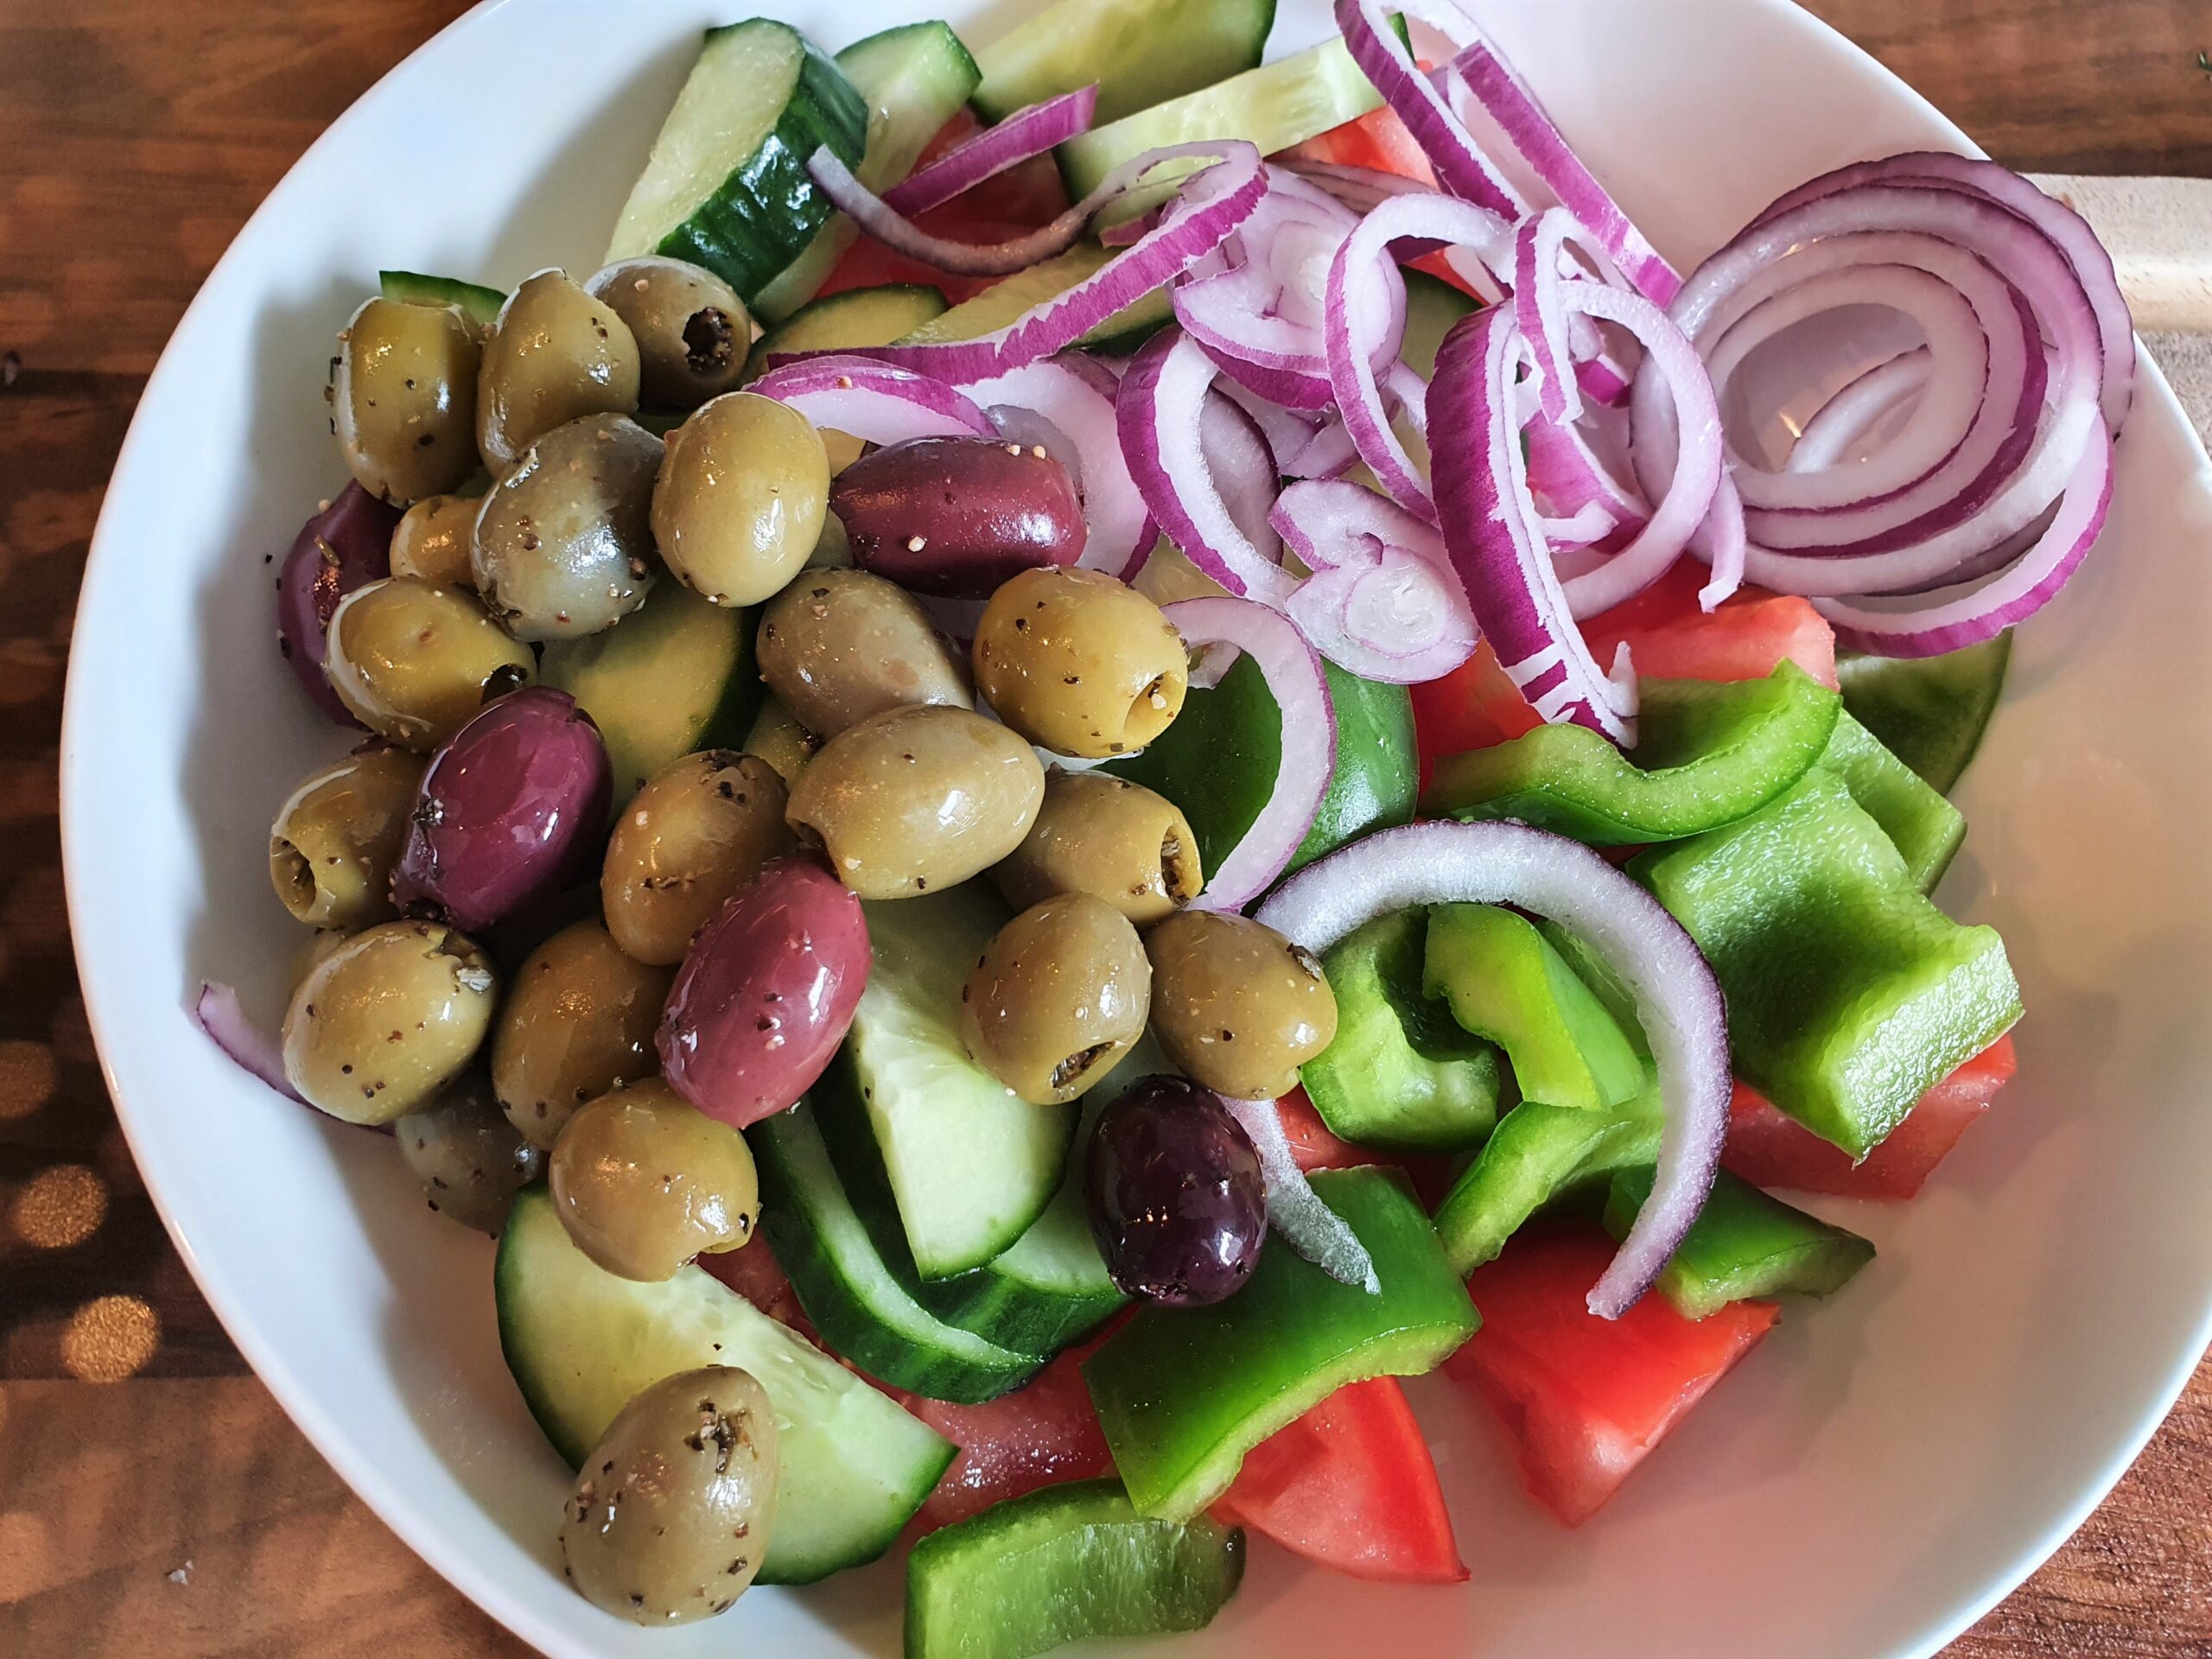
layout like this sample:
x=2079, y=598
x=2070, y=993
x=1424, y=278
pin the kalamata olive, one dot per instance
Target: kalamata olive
x=332, y=849
x=512, y=809
x=470, y=1160
x=687, y=841
x=645, y=1181
x=434, y=541
x=765, y=994
x=402, y=397
x=345, y=546
x=381, y=1025
x=1061, y=993
x=1236, y=1004
x=556, y=355
x=1080, y=663
x=839, y=645
x=778, y=737
x=741, y=498
x=692, y=330
x=564, y=541
x=958, y=516
x=578, y=1021
x=674, y=1509
x=916, y=800
x=415, y=663
x=1110, y=837
x=1178, y=1202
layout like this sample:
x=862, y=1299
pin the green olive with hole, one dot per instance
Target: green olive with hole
x=645, y=1182
x=1062, y=993
x=839, y=645
x=414, y=663
x=381, y=1025
x=692, y=836
x=1236, y=1007
x=578, y=1021
x=1109, y=838
x=434, y=539
x=692, y=330
x=332, y=846
x=918, y=799
x=673, y=1511
x=556, y=355
x=403, y=399
x=469, y=1159
x=741, y=498
x=564, y=542
x=1079, y=663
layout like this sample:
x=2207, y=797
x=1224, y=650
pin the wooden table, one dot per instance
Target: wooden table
x=153, y=1500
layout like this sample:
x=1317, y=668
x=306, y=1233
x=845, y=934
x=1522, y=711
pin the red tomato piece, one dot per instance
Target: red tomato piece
x=1351, y=1486
x=754, y=1273
x=1476, y=706
x=1671, y=638
x=1770, y=1149
x=1587, y=1399
x=1313, y=1143
x=1044, y=1433
x=1377, y=141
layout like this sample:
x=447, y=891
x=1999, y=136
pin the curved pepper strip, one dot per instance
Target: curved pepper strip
x=1926, y=829
x=1743, y=1246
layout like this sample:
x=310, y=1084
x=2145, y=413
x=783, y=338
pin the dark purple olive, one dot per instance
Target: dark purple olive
x=958, y=516
x=1178, y=1202
x=511, y=810
x=347, y=545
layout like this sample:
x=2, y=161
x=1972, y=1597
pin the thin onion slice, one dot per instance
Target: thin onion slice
x=1856, y=409
x=1294, y=1209
x=875, y=402
x=1382, y=602
x=1461, y=167
x=1021, y=136
x=218, y=1011
x=1077, y=394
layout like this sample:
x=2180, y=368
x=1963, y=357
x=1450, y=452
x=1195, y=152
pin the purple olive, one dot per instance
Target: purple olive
x=511, y=810
x=347, y=545
x=1178, y=1202
x=765, y=994
x=958, y=516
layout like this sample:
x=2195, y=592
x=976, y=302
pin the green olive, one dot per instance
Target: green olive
x=1060, y=994
x=778, y=737
x=403, y=398
x=413, y=662
x=564, y=542
x=1236, y=1005
x=645, y=1181
x=741, y=499
x=470, y=1160
x=692, y=331
x=1079, y=663
x=578, y=1021
x=434, y=539
x=334, y=842
x=1111, y=838
x=381, y=1025
x=916, y=800
x=692, y=836
x=839, y=645
x=556, y=355
x=674, y=1509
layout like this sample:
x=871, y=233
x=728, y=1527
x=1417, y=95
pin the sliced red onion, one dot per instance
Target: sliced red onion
x=1587, y=524
x=1539, y=249
x=1856, y=409
x=1025, y=134
x=1461, y=167
x=1293, y=671
x=879, y=219
x=1294, y=1209
x=1360, y=189
x=1382, y=600
x=1720, y=542
x=218, y=1011
x=1678, y=1001
x=1076, y=395
x=873, y=401
x=1567, y=475
x=1289, y=432
x=1329, y=455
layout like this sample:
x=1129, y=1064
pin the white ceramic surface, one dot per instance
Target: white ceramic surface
x=1873, y=1478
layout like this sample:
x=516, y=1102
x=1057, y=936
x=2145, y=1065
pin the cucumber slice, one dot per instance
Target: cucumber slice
x=480, y=305
x=1931, y=711
x=1004, y=302
x=727, y=185
x=1432, y=305
x=970, y=1164
x=859, y=316
x=1139, y=52
x=849, y=1290
x=677, y=676
x=583, y=1343
x=915, y=79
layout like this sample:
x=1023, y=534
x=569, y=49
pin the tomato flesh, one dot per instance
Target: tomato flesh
x=1044, y=1433
x=1671, y=638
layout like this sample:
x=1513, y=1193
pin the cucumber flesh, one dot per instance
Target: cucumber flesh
x=1006, y=302
x=582, y=1343
x=480, y=305
x=1139, y=52
x=859, y=316
x=1930, y=711
x=1433, y=306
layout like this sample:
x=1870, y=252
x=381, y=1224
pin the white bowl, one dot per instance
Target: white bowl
x=1876, y=1475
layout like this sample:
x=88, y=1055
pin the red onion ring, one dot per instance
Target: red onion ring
x=1077, y=394
x=218, y=1011
x=1294, y=1209
x=879, y=219
x=1022, y=136
x=875, y=402
x=1461, y=167
x=1857, y=408
x=1382, y=602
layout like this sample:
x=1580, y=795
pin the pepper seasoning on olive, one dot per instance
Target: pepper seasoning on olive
x=692, y=836
x=332, y=849
x=741, y=498
x=1107, y=836
x=563, y=543
x=381, y=1025
x=578, y=1021
x=556, y=355
x=692, y=330
x=434, y=539
x=403, y=398
x=1060, y=995
x=470, y=1160
x=644, y=1181
x=838, y=646
x=1235, y=1005
x=415, y=664
x=1079, y=663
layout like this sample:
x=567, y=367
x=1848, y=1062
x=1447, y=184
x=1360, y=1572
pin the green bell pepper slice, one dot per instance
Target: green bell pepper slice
x=1849, y=994
x=1400, y=1074
x=1706, y=755
x=1183, y=1394
x=1931, y=711
x=1743, y=1245
x=1503, y=980
x=1925, y=828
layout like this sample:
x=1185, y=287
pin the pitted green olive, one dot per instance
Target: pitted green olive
x=741, y=498
x=645, y=1181
x=564, y=542
x=470, y=1160
x=1111, y=838
x=693, y=835
x=403, y=398
x=556, y=355
x=381, y=1025
x=414, y=663
x=578, y=1021
x=1079, y=663
x=692, y=331
x=1236, y=1005
x=332, y=849
x=1061, y=993
x=434, y=539
x=839, y=645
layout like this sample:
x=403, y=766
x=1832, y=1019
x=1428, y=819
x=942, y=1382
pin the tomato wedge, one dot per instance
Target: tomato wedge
x=1671, y=638
x=1476, y=706
x=1044, y=1433
x=754, y=1273
x=1377, y=141
x=1351, y=1486
x=1313, y=1143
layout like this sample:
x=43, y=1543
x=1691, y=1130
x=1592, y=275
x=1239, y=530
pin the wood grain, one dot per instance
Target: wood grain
x=135, y=138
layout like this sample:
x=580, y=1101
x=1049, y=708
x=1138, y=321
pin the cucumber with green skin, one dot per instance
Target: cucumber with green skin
x=480, y=305
x=858, y=317
x=1003, y=303
x=1139, y=53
